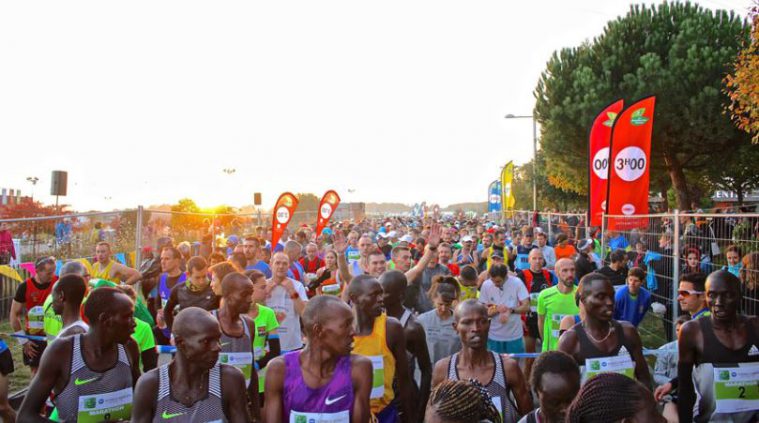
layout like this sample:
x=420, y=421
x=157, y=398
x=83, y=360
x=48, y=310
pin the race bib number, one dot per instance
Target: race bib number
x=332, y=289
x=111, y=406
x=556, y=324
x=378, y=376
x=736, y=389
x=241, y=360
x=339, y=417
x=36, y=320
x=523, y=262
x=621, y=364
x=534, y=301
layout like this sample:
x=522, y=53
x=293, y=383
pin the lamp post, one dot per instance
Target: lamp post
x=33, y=180
x=534, y=155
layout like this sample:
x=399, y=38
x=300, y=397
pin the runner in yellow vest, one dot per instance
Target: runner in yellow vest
x=111, y=270
x=382, y=340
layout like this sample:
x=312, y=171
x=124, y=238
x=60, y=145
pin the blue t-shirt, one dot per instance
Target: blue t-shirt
x=631, y=310
x=262, y=267
x=523, y=255
x=618, y=242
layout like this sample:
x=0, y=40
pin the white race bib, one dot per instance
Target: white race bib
x=736, y=389
x=534, y=301
x=111, y=406
x=378, y=376
x=621, y=364
x=241, y=360
x=340, y=417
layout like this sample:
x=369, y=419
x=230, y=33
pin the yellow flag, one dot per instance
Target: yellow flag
x=507, y=194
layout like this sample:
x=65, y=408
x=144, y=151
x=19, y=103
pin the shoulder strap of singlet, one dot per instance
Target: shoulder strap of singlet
x=77, y=361
x=452, y=374
x=246, y=321
x=214, y=381
x=499, y=376
x=163, y=382
x=405, y=317
x=123, y=356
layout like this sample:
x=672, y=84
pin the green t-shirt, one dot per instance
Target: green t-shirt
x=53, y=323
x=554, y=305
x=265, y=321
x=143, y=335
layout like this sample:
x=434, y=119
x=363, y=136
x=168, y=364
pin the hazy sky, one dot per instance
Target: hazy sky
x=145, y=102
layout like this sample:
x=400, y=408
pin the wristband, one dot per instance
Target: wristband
x=21, y=341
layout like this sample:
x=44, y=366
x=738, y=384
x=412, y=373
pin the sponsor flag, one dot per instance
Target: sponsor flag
x=284, y=209
x=507, y=194
x=494, y=197
x=629, y=165
x=598, y=169
x=327, y=208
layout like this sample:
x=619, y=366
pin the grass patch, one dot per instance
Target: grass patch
x=21, y=376
x=651, y=331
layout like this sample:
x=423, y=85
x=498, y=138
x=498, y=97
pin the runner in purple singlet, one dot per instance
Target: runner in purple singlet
x=324, y=382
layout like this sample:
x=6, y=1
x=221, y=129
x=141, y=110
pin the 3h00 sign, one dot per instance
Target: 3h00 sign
x=630, y=163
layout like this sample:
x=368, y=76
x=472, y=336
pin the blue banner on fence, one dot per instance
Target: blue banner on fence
x=494, y=197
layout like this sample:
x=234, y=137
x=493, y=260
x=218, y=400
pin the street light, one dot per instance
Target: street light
x=33, y=180
x=534, y=155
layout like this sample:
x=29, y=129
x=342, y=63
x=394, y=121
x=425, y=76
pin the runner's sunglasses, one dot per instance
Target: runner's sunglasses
x=687, y=293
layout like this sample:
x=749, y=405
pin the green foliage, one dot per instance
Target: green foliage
x=679, y=52
x=308, y=202
x=186, y=222
x=552, y=190
x=742, y=174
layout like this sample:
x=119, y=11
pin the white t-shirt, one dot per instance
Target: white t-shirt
x=510, y=294
x=289, y=328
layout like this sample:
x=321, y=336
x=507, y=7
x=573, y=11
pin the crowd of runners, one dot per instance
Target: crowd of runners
x=387, y=320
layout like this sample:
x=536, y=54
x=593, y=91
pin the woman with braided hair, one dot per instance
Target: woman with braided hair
x=458, y=401
x=612, y=397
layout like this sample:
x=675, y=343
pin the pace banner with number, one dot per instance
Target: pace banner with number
x=598, y=173
x=327, y=208
x=284, y=209
x=507, y=194
x=629, y=175
x=494, y=197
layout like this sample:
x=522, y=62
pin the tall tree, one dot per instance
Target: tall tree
x=743, y=83
x=678, y=52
